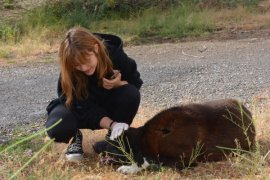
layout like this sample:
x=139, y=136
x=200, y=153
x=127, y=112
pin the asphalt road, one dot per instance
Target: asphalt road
x=172, y=74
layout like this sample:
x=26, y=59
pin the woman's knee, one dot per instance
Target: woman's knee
x=128, y=94
x=67, y=127
x=124, y=104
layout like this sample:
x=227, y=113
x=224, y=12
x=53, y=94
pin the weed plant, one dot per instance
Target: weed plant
x=22, y=145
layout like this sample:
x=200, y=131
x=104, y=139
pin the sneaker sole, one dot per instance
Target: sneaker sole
x=74, y=157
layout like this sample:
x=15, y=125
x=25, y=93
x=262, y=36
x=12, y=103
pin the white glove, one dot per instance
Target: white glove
x=118, y=129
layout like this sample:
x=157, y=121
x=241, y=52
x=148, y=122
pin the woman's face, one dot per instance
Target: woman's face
x=89, y=68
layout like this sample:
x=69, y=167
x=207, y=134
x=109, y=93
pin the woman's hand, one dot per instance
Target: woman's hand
x=115, y=82
x=118, y=129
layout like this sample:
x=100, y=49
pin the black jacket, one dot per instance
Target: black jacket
x=97, y=94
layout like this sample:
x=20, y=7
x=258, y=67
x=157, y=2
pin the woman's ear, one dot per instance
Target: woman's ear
x=96, y=48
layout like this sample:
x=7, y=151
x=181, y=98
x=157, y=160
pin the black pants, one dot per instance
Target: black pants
x=121, y=106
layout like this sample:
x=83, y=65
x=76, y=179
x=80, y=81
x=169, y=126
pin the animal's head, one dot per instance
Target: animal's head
x=125, y=147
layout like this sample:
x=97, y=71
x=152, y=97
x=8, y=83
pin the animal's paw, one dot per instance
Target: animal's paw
x=132, y=169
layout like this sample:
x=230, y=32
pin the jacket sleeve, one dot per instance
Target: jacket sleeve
x=128, y=69
x=60, y=94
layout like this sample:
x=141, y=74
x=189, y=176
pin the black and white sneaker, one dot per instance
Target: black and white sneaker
x=74, y=150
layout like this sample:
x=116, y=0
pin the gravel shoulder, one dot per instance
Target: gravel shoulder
x=173, y=73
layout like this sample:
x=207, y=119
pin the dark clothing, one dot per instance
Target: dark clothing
x=97, y=94
x=120, y=104
x=120, y=60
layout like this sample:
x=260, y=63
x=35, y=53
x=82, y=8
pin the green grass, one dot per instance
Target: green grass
x=22, y=151
x=18, y=155
x=9, y=32
x=8, y=4
x=175, y=21
x=4, y=54
x=40, y=30
x=178, y=22
x=44, y=25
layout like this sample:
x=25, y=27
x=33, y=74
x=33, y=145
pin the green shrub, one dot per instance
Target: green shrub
x=9, y=33
x=8, y=4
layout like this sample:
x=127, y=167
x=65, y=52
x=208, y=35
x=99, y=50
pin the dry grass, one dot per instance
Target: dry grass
x=52, y=164
x=261, y=113
x=28, y=50
x=242, y=19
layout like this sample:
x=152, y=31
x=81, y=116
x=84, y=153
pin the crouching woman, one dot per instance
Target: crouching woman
x=98, y=88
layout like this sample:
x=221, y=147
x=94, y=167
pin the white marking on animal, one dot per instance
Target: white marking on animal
x=133, y=168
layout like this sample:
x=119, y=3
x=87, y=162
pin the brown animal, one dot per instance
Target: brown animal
x=172, y=136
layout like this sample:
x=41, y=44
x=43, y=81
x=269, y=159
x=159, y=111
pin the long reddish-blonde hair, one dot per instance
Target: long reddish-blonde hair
x=73, y=52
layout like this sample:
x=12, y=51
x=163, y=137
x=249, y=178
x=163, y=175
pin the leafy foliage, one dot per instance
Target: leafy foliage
x=9, y=32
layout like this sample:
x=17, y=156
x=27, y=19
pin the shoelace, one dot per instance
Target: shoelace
x=77, y=145
x=74, y=147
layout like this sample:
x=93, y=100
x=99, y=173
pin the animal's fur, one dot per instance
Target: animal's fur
x=172, y=135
